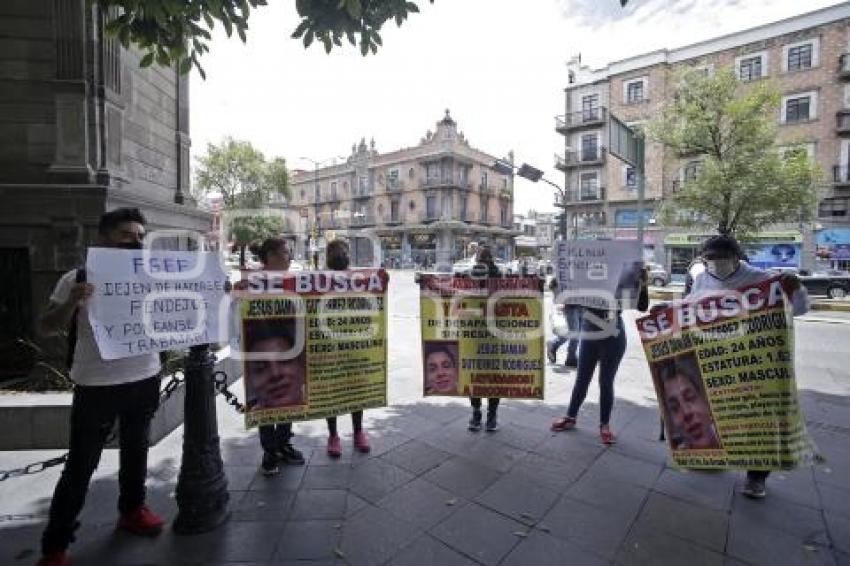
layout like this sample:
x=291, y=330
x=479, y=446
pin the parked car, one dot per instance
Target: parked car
x=833, y=284
x=463, y=266
x=658, y=276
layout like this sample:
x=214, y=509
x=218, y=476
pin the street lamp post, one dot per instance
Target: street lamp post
x=534, y=175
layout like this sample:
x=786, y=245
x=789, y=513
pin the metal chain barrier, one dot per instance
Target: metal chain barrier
x=220, y=381
x=177, y=378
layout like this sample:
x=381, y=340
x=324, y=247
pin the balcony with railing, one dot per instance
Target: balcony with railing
x=582, y=158
x=587, y=195
x=394, y=185
x=506, y=193
x=587, y=118
x=842, y=122
x=841, y=176
x=844, y=66
x=447, y=181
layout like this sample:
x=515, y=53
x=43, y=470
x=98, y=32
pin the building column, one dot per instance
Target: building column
x=71, y=160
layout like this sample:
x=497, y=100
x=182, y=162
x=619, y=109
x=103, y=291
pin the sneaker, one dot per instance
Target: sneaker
x=269, y=465
x=290, y=455
x=475, y=421
x=59, y=558
x=754, y=489
x=551, y=354
x=142, y=522
x=334, y=446
x=361, y=442
x=492, y=424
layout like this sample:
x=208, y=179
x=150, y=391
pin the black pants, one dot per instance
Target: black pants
x=276, y=436
x=93, y=414
x=492, y=404
x=356, y=423
x=758, y=475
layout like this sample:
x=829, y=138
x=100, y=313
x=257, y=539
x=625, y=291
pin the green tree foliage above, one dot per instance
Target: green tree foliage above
x=744, y=181
x=177, y=32
x=240, y=173
x=246, y=181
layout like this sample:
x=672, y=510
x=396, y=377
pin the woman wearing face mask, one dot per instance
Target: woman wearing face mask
x=336, y=259
x=726, y=270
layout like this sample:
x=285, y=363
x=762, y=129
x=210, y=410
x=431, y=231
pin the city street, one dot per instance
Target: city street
x=432, y=493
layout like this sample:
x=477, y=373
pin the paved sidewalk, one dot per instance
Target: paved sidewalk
x=433, y=493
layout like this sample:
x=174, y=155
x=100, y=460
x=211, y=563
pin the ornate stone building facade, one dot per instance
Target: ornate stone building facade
x=82, y=130
x=422, y=205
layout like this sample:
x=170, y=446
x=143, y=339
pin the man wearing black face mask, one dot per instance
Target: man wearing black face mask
x=126, y=389
x=726, y=270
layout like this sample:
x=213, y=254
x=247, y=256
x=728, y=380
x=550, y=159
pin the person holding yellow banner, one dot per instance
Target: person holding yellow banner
x=275, y=438
x=726, y=270
x=337, y=259
x=484, y=268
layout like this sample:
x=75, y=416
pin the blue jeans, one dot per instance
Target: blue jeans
x=607, y=353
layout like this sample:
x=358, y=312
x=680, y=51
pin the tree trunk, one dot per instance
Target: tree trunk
x=241, y=256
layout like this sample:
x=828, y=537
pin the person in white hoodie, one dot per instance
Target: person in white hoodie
x=725, y=269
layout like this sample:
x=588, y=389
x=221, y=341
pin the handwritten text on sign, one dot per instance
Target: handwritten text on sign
x=150, y=301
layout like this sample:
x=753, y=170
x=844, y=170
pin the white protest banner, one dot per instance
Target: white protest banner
x=151, y=300
x=593, y=273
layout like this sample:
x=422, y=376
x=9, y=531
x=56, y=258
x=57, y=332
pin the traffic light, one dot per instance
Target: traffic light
x=561, y=219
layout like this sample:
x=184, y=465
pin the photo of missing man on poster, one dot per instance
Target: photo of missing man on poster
x=440, y=360
x=687, y=411
x=273, y=383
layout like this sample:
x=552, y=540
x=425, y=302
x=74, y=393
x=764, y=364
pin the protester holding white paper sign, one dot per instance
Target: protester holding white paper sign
x=126, y=389
x=603, y=337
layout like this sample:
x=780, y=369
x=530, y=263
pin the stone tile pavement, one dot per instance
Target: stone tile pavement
x=432, y=493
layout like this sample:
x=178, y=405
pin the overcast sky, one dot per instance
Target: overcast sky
x=499, y=65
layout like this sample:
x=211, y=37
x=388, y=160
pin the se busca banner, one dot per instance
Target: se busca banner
x=313, y=344
x=723, y=370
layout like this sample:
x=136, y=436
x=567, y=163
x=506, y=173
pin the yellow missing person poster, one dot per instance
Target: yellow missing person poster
x=313, y=343
x=482, y=337
x=723, y=370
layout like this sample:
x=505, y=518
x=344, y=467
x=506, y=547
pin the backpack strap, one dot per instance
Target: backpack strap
x=80, y=277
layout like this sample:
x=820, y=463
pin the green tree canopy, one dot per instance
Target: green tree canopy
x=744, y=182
x=246, y=181
x=239, y=172
x=178, y=31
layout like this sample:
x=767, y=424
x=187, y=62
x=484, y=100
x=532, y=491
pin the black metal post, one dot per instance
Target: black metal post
x=202, y=486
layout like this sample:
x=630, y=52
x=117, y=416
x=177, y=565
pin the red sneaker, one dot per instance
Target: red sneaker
x=59, y=558
x=334, y=447
x=142, y=522
x=361, y=442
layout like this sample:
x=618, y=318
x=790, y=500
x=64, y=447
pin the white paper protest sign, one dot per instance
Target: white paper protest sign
x=599, y=274
x=150, y=300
